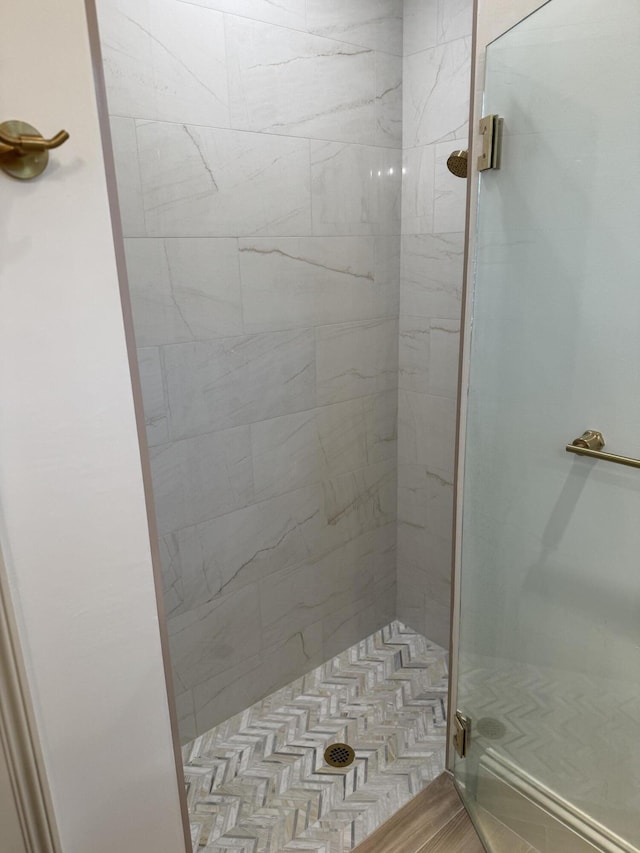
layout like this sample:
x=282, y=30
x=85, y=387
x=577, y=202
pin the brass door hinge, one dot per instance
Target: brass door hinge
x=461, y=733
x=491, y=132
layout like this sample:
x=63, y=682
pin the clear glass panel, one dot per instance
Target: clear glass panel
x=550, y=638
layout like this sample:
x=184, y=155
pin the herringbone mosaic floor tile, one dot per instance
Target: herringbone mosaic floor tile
x=258, y=783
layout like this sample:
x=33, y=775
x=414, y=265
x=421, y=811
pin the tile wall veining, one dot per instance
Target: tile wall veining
x=436, y=84
x=258, y=156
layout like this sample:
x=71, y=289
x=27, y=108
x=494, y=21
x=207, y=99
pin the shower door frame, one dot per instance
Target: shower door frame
x=491, y=19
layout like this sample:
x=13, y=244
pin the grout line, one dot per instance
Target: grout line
x=305, y=31
x=259, y=132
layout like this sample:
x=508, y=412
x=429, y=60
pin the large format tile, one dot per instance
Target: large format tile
x=184, y=289
x=432, y=268
x=213, y=637
x=426, y=432
x=199, y=478
x=455, y=19
x=296, y=84
x=213, y=385
x=388, y=100
x=373, y=23
x=429, y=356
x=362, y=500
x=301, y=449
x=125, y=155
x=388, y=256
x=311, y=281
x=418, y=189
x=156, y=416
x=413, y=360
x=420, y=19
x=204, y=182
x=285, y=454
x=355, y=189
x=237, y=549
x=436, y=93
x=292, y=598
x=165, y=60
x=444, y=347
x=287, y=13
x=356, y=359
x=357, y=433
x=222, y=695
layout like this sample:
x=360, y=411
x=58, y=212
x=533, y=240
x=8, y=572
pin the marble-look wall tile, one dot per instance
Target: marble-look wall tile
x=285, y=454
x=432, y=267
x=220, y=697
x=199, y=478
x=388, y=112
x=213, y=385
x=444, y=348
x=362, y=500
x=425, y=581
x=185, y=709
x=298, y=654
x=165, y=61
x=204, y=182
x=310, y=281
x=425, y=499
x=436, y=93
x=413, y=360
x=436, y=84
x=306, y=448
x=237, y=549
x=212, y=637
x=356, y=359
x=420, y=25
x=450, y=193
x=373, y=23
x=184, y=289
x=236, y=689
x=292, y=597
x=428, y=360
x=348, y=624
x=387, y=251
x=355, y=189
x=455, y=20
x=259, y=161
x=357, y=433
x=385, y=597
x=125, y=155
x=311, y=447
x=418, y=189
x=286, y=13
x=153, y=396
x=295, y=84
x=426, y=432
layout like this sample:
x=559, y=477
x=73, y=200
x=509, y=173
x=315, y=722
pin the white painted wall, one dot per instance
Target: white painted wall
x=74, y=526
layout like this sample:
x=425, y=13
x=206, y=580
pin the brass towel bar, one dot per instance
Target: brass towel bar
x=591, y=442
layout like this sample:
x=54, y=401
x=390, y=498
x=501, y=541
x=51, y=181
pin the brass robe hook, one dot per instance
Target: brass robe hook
x=24, y=153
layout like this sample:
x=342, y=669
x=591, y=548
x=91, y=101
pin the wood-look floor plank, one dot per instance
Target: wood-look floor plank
x=420, y=820
x=458, y=836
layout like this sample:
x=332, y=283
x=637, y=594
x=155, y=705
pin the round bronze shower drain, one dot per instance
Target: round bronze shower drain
x=339, y=755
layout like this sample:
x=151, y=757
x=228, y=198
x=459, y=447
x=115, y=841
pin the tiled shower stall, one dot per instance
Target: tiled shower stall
x=294, y=247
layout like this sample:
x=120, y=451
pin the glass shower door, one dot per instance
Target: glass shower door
x=549, y=660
